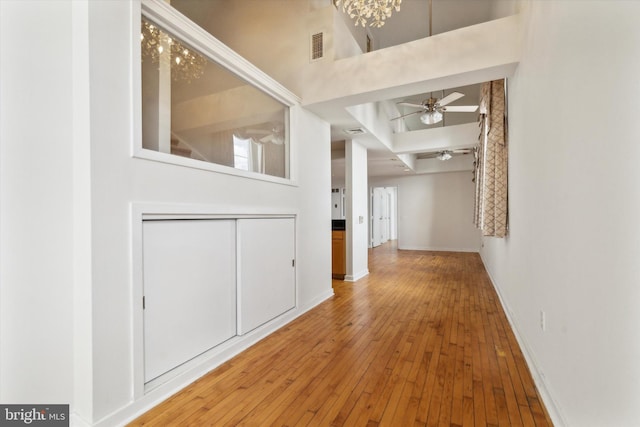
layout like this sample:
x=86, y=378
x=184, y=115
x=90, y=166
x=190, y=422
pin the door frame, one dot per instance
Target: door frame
x=391, y=208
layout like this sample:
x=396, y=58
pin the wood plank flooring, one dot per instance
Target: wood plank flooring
x=421, y=341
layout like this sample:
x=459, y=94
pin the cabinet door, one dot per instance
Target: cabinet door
x=338, y=261
x=266, y=274
x=189, y=288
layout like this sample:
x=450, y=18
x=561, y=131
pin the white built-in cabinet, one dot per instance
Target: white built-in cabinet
x=266, y=273
x=206, y=281
x=189, y=290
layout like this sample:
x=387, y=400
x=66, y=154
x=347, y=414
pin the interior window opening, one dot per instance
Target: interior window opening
x=195, y=108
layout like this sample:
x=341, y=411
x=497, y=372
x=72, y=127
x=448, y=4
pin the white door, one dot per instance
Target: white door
x=393, y=220
x=378, y=206
x=383, y=200
x=375, y=219
x=266, y=270
x=189, y=289
x=386, y=208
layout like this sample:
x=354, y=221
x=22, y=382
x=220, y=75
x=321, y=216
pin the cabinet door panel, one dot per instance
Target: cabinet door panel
x=189, y=288
x=266, y=275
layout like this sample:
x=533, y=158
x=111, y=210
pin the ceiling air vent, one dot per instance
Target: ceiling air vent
x=317, y=46
x=354, y=131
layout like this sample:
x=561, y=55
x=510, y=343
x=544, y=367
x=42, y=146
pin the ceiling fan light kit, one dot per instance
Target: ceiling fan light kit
x=431, y=110
x=445, y=155
x=431, y=117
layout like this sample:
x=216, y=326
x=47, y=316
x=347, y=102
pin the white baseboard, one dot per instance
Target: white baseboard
x=76, y=421
x=356, y=277
x=204, y=364
x=547, y=398
x=437, y=249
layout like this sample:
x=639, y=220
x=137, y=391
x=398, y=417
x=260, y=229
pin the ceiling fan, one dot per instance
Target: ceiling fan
x=444, y=154
x=274, y=136
x=431, y=109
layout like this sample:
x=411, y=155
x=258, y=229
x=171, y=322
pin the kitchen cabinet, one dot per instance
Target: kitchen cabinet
x=338, y=254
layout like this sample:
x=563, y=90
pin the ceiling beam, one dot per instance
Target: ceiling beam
x=469, y=55
x=456, y=164
x=436, y=139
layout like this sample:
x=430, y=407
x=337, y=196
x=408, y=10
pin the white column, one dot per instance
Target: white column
x=82, y=404
x=357, y=211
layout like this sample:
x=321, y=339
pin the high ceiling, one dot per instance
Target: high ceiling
x=412, y=23
x=261, y=18
x=381, y=162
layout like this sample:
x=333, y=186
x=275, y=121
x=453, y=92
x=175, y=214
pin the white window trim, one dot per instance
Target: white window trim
x=213, y=49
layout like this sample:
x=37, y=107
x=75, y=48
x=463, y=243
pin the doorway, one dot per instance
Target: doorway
x=383, y=218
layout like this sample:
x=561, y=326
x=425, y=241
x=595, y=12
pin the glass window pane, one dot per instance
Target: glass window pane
x=193, y=107
x=241, y=153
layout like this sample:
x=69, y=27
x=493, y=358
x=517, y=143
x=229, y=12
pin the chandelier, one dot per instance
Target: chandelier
x=157, y=45
x=363, y=10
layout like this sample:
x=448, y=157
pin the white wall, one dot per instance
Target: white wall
x=357, y=34
x=313, y=199
x=146, y=181
x=574, y=239
x=345, y=45
x=435, y=211
x=36, y=203
x=76, y=121
x=274, y=35
x=502, y=8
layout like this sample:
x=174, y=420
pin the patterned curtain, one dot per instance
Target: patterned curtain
x=491, y=162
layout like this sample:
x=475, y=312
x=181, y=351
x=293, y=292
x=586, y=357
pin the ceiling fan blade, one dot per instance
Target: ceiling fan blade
x=405, y=115
x=435, y=154
x=460, y=108
x=409, y=104
x=453, y=96
x=423, y=156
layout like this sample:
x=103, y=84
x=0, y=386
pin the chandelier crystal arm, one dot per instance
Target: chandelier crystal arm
x=363, y=10
x=186, y=64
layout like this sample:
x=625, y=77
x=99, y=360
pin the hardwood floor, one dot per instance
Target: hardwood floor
x=421, y=341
